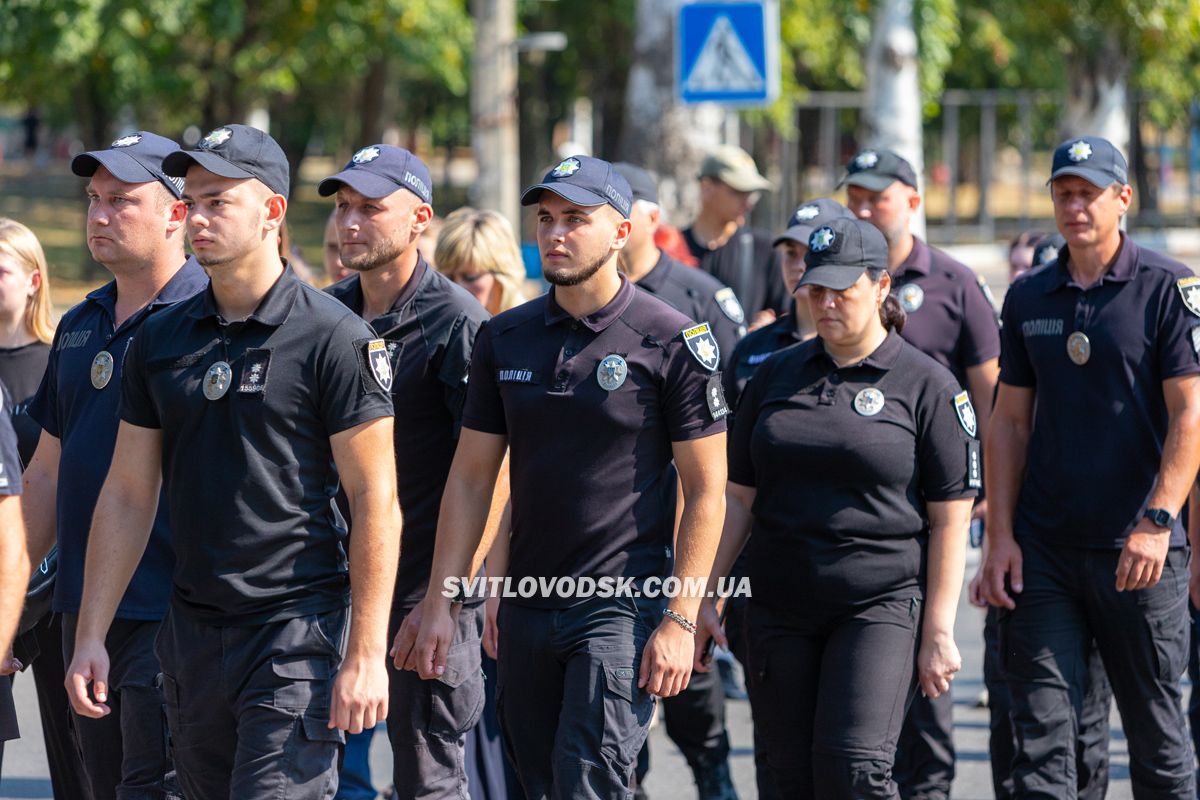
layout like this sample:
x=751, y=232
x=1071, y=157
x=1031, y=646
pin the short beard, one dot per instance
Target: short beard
x=568, y=278
x=383, y=253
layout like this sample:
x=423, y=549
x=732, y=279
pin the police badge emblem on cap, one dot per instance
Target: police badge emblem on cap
x=611, y=372
x=805, y=213
x=102, y=369
x=127, y=141
x=566, y=168
x=821, y=239
x=216, y=138
x=911, y=297
x=366, y=155
x=866, y=159
x=869, y=401
x=217, y=380
x=380, y=363
x=1080, y=151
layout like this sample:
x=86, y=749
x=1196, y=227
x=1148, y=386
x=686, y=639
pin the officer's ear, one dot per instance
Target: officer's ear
x=1124, y=194
x=914, y=199
x=276, y=206
x=422, y=216
x=622, y=235
x=885, y=285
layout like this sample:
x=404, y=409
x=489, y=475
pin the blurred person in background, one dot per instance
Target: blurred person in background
x=478, y=250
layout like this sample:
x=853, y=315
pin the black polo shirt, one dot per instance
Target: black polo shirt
x=840, y=513
x=755, y=348
x=949, y=313
x=21, y=371
x=250, y=476
x=593, y=486
x=1099, y=427
x=749, y=265
x=10, y=462
x=429, y=331
x=85, y=420
x=698, y=296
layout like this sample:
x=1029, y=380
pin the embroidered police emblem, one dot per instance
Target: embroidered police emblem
x=102, y=369
x=128, y=141
x=805, y=213
x=216, y=138
x=1048, y=255
x=966, y=413
x=701, y=344
x=1189, y=290
x=729, y=305
x=366, y=155
x=217, y=380
x=566, y=168
x=1080, y=151
x=866, y=159
x=868, y=402
x=821, y=239
x=380, y=363
x=911, y=297
x=612, y=372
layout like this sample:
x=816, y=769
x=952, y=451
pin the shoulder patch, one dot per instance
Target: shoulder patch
x=715, y=396
x=1189, y=290
x=987, y=290
x=379, y=363
x=703, y=346
x=730, y=306
x=966, y=413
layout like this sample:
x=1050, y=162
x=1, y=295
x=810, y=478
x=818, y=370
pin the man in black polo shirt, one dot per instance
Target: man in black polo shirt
x=429, y=324
x=1090, y=459
x=251, y=403
x=598, y=388
x=951, y=318
x=738, y=256
x=135, y=229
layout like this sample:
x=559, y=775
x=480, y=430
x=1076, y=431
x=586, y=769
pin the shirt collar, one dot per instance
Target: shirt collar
x=919, y=260
x=653, y=280
x=350, y=292
x=274, y=308
x=884, y=357
x=597, y=320
x=1121, y=270
x=187, y=281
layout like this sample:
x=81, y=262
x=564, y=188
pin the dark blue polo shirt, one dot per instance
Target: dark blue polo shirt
x=249, y=476
x=85, y=420
x=1099, y=427
x=753, y=350
x=949, y=314
x=699, y=296
x=593, y=486
x=840, y=513
x=429, y=331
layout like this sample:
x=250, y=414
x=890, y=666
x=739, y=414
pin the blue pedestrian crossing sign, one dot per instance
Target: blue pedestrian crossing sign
x=728, y=52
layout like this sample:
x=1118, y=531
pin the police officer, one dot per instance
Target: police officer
x=250, y=402
x=853, y=459
x=1089, y=462
x=951, y=318
x=135, y=228
x=14, y=565
x=1046, y=251
x=695, y=718
x=429, y=323
x=724, y=246
x=797, y=325
x=599, y=388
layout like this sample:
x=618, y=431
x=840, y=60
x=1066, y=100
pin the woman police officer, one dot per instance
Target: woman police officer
x=854, y=460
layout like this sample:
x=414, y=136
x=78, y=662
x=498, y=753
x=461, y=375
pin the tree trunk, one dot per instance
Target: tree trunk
x=659, y=133
x=494, y=109
x=892, y=115
x=371, y=105
x=1097, y=95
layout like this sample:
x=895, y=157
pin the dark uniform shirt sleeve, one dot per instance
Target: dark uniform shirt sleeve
x=137, y=406
x=981, y=335
x=10, y=460
x=43, y=406
x=947, y=453
x=455, y=366
x=690, y=412
x=741, y=463
x=1015, y=368
x=484, y=409
x=349, y=394
x=1178, y=338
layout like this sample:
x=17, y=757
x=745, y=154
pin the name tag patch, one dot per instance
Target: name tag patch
x=517, y=375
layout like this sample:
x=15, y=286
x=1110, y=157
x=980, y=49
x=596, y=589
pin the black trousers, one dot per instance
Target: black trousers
x=125, y=754
x=829, y=692
x=428, y=721
x=1069, y=600
x=570, y=708
x=739, y=645
x=249, y=706
x=924, y=766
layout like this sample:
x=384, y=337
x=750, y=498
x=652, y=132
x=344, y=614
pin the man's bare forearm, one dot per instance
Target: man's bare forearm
x=39, y=499
x=14, y=566
x=1004, y=466
x=1180, y=461
x=462, y=524
x=374, y=556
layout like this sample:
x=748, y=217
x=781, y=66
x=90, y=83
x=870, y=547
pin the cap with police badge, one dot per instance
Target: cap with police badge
x=1047, y=249
x=377, y=170
x=640, y=181
x=134, y=158
x=584, y=180
x=235, y=151
x=735, y=168
x=1094, y=159
x=841, y=251
x=876, y=170
x=810, y=216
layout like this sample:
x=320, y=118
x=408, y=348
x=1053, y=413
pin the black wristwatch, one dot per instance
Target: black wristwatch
x=1160, y=517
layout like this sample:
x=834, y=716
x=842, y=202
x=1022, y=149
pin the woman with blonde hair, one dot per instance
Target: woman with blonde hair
x=478, y=251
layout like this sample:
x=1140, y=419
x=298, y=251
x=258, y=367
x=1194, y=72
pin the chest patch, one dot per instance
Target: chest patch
x=254, y=371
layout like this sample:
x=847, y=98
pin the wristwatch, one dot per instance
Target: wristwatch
x=1160, y=517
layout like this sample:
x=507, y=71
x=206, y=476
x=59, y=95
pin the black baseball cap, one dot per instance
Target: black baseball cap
x=810, y=216
x=377, y=170
x=134, y=158
x=235, y=151
x=841, y=251
x=1094, y=159
x=584, y=180
x=878, y=169
x=1047, y=249
x=641, y=182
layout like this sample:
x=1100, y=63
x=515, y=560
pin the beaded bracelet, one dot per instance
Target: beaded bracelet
x=680, y=620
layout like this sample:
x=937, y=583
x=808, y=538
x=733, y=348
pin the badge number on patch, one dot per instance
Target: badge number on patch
x=380, y=363
x=715, y=396
x=966, y=413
